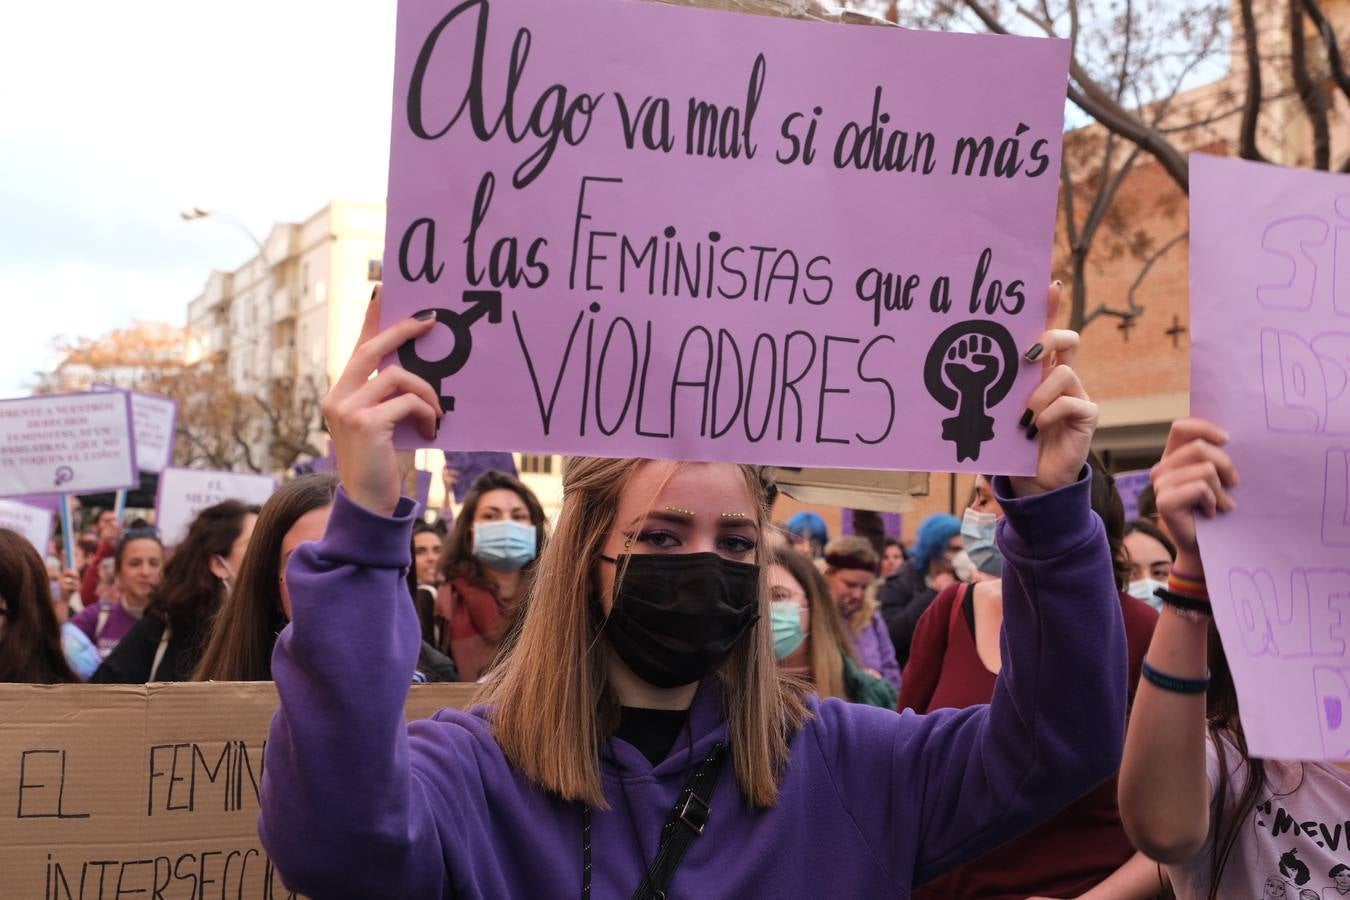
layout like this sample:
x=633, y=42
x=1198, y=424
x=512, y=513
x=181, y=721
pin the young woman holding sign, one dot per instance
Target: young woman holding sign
x=642, y=690
x=1226, y=824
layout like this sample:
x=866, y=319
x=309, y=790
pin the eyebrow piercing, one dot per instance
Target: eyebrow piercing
x=681, y=510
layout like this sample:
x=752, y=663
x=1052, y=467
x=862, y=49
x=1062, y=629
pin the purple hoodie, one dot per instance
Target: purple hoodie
x=876, y=651
x=356, y=803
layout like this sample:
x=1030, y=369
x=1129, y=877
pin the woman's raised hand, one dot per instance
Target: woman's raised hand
x=361, y=411
x=1059, y=411
x=1193, y=477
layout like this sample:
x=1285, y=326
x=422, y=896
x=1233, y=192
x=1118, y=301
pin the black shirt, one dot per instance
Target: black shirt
x=651, y=731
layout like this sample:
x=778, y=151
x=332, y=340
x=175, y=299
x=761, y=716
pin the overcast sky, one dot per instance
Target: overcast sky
x=115, y=117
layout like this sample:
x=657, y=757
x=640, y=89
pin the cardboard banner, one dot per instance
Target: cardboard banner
x=143, y=791
x=655, y=231
x=155, y=419
x=185, y=492
x=32, y=522
x=66, y=443
x=1270, y=321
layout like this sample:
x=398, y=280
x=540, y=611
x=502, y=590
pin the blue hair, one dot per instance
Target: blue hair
x=809, y=525
x=934, y=534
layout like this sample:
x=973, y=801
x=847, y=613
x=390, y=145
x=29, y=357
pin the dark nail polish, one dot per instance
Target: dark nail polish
x=1026, y=419
x=1035, y=352
x=373, y=291
x=425, y=315
x=1032, y=432
x=436, y=431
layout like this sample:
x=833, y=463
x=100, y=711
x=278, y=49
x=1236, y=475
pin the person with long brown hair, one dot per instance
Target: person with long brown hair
x=167, y=643
x=258, y=604
x=810, y=638
x=30, y=636
x=1191, y=796
x=485, y=568
x=137, y=565
x=644, y=665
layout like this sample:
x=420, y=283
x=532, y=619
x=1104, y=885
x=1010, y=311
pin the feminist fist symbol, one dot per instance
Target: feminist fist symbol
x=970, y=369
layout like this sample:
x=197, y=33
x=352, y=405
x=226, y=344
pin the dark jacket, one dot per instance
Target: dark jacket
x=132, y=658
x=904, y=596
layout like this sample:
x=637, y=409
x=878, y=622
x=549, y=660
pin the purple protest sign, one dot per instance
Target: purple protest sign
x=71, y=443
x=657, y=231
x=1270, y=318
x=1131, y=485
x=468, y=466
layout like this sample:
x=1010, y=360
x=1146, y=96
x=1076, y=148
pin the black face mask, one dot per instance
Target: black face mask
x=677, y=616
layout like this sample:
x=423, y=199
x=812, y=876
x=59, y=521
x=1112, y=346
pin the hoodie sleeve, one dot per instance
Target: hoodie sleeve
x=343, y=810
x=963, y=781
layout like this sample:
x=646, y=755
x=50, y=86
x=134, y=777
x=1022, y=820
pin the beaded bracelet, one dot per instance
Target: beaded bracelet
x=1190, y=615
x=1172, y=683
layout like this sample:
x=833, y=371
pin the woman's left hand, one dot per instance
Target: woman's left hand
x=1059, y=412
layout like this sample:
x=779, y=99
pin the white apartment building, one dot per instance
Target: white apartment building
x=295, y=311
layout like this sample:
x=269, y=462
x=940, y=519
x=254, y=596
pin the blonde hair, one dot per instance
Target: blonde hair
x=551, y=698
x=858, y=548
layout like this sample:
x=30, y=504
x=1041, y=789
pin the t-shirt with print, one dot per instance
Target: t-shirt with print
x=119, y=621
x=1294, y=845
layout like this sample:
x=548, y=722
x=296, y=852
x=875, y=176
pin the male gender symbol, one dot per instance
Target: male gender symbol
x=970, y=369
x=434, y=371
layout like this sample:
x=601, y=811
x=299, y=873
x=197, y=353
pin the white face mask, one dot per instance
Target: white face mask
x=963, y=566
x=1145, y=589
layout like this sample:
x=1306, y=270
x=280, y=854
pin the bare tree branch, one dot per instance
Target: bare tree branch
x=1334, y=61
x=1148, y=267
x=1309, y=94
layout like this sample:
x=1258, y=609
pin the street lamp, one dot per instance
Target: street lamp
x=196, y=213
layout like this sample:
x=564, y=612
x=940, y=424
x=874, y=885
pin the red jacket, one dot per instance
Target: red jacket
x=1063, y=857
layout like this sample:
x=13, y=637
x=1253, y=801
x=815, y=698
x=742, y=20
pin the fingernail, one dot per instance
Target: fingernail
x=1032, y=432
x=1035, y=352
x=425, y=315
x=436, y=432
x=1026, y=419
x=373, y=291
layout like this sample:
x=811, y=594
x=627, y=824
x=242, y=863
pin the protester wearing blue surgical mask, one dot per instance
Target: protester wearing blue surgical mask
x=484, y=570
x=955, y=661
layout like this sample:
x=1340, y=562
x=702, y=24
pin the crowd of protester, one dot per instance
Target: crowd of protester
x=949, y=715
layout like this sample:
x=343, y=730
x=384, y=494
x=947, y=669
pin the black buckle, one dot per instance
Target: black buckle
x=695, y=818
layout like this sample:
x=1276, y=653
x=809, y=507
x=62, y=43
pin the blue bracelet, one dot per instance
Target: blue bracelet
x=1173, y=684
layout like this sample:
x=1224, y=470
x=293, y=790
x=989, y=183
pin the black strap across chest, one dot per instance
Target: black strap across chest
x=687, y=820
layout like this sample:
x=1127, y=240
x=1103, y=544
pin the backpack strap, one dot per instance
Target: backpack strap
x=160, y=651
x=104, y=611
x=686, y=822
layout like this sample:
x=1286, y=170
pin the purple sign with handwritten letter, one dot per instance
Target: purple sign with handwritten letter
x=66, y=443
x=1270, y=315
x=647, y=230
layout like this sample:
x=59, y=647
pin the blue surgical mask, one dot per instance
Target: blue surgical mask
x=978, y=529
x=504, y=545
x=1146, y=589
x=786, y=617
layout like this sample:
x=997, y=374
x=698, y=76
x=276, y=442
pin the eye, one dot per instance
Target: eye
x=737, y=544
x=659, y=540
